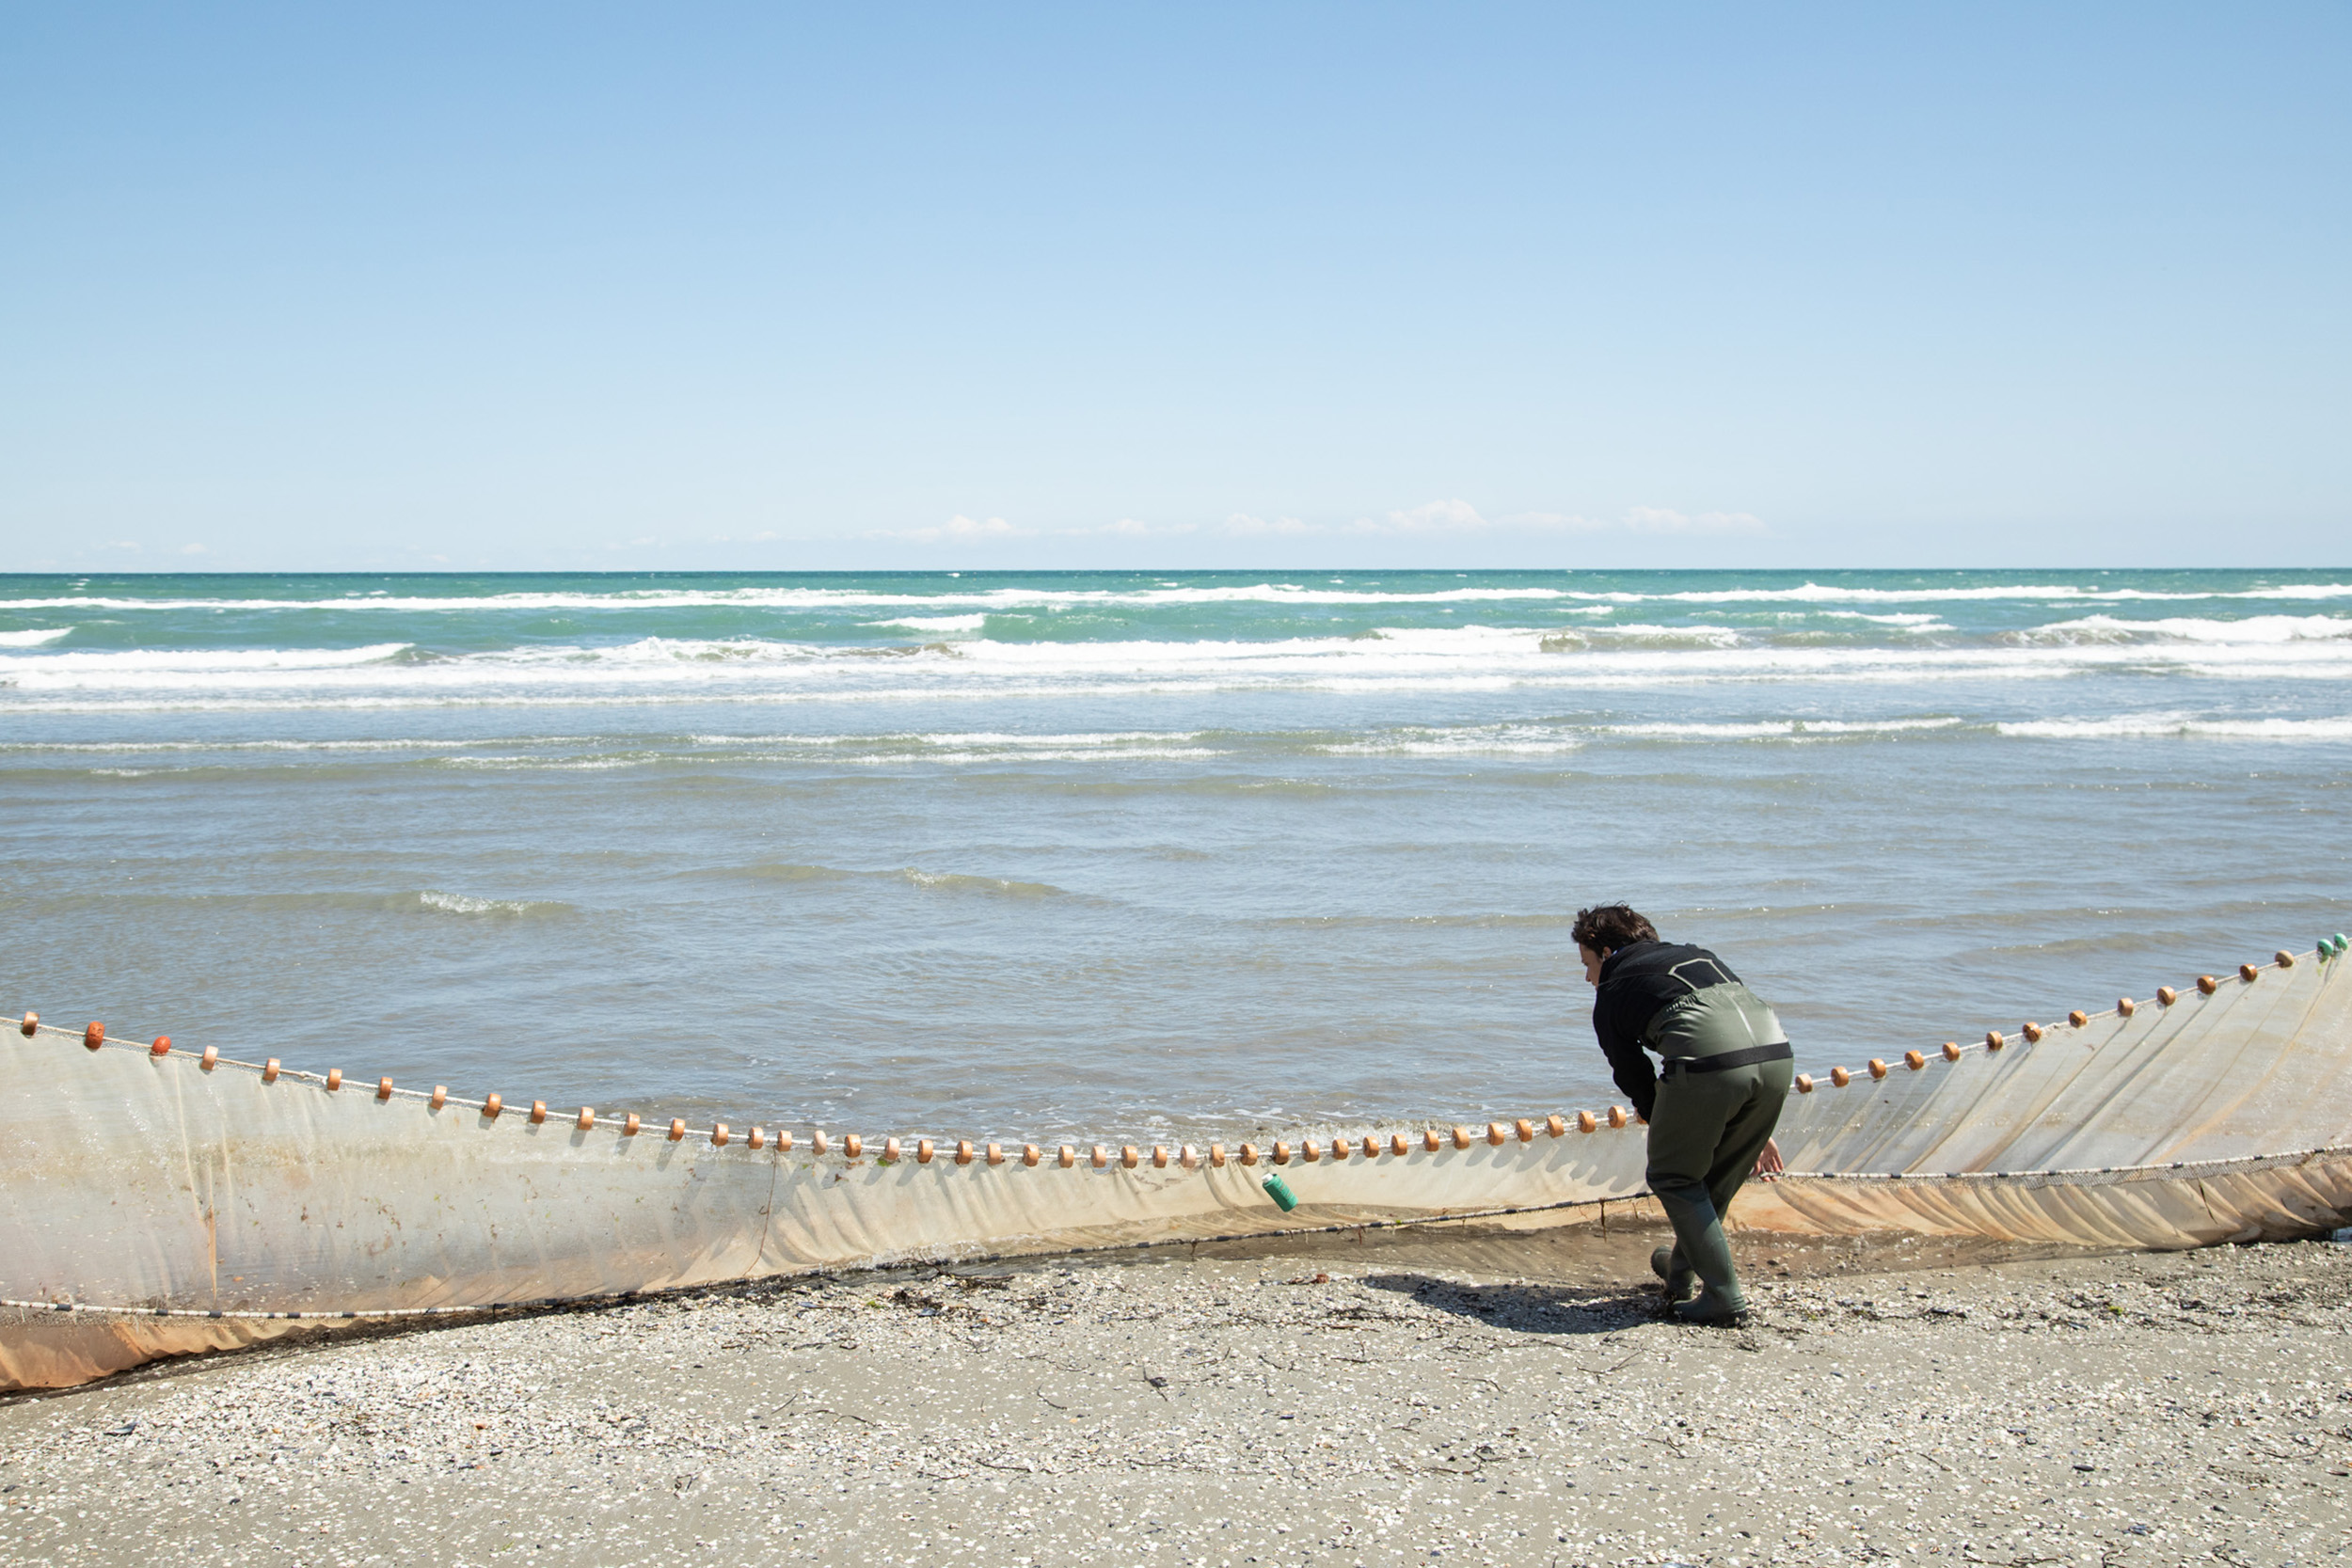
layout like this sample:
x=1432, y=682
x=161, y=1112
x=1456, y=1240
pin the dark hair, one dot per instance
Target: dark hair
x=1605, y=927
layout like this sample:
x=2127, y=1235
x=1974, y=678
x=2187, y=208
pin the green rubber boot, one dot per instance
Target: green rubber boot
x=1714, y=1311
x=1679, y=1283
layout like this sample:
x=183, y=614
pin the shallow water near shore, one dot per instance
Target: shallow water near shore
x=1137, y=856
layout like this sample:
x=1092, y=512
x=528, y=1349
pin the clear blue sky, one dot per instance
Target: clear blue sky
x=710, y=286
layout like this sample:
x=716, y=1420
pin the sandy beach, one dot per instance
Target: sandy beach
x=1432, y=1395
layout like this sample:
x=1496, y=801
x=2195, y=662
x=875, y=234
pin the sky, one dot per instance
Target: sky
x=858, y=287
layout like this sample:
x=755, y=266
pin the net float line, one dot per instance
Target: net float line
x=94, y=1037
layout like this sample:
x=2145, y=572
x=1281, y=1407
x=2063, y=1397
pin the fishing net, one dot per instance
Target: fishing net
x=160, y=1203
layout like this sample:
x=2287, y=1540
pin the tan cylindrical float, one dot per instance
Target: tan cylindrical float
x=1498, y=1134
x=1102, y=1157
x=2078, y=1017
x=719, y=1134
x=1309, y=1151
x=964, y=1151
x=1159, y=1156
x=923, y=1152
x=1556, y=1126
x=2249, y=973
x=851, y=1146
x=1461, y=1137
x=1127, y=1156
x=1067, y=1157
x=1995, y=1039
x=383, y=1088
x=31, y=1022
x=1189, y=1157
x=1216, y=1155
x=1951, y=1050
x=1399, y=1145
x=2284, y=958
x=1250, y=1154
x=2207, y=983
x=1915, y=1060
x=995, y=1154
x=784, y=1141
x=1372, y=1147
x=1805, y=1083
x=630, y=1126
x=1587, y=1122
x=1431, y=1141
x=334, y=1079
x=756, y=1137
x=1617, y=1116
x=161, y=1046
x=1282, y=1153
x=211, y=1058
x=677, y=1129
x=1525, y=1129
x=1878, y=1069
x=2126, y=1006
x=438, y=1098
x=93, y=1035
x=587, y=1121
x=1341, y=1150
x=491, y=1106
x=2032, y=1033
x=1030, y=1154
x=2166, y=996
x=818, y=1142
x=538, y=1110
x=1841, y=1077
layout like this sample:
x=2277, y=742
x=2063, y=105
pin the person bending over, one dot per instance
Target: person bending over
x=1711, y=1105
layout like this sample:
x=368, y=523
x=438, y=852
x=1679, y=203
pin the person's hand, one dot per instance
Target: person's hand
x=1768, y=1166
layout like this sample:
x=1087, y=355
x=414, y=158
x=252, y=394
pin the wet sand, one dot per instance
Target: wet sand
x=1413, y=1397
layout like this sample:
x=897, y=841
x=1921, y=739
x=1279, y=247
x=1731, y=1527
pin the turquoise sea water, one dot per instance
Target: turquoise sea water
x=1046, y=855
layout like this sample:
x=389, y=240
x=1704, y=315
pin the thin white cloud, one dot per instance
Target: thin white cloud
x=1661, y=520
x=1457, y=518
x=960, y=530
x=1449, y=518
x=192, y=549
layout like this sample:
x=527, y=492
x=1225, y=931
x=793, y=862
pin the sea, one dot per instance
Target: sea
x=1136, y=857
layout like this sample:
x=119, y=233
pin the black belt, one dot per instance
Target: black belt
x=1753, y=1054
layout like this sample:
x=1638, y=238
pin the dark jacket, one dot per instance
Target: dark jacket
x=1676, y=999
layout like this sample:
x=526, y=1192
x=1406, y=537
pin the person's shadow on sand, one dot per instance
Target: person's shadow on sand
x=1527, y=1309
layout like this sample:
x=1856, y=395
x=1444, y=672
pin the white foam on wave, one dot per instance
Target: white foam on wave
x=1783, y=729
x=1814, y=592
x=1466, y=658
x=2179, y=628
x=2153, y=726
x=1906, y=620
x=33, y=639
x=935, y=623
x=459, y=903
x=1050, y=598
x=823, y=599
x=162, y=665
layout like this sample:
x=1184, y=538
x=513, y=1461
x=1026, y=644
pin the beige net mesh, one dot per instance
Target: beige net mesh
x=141, y=1183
